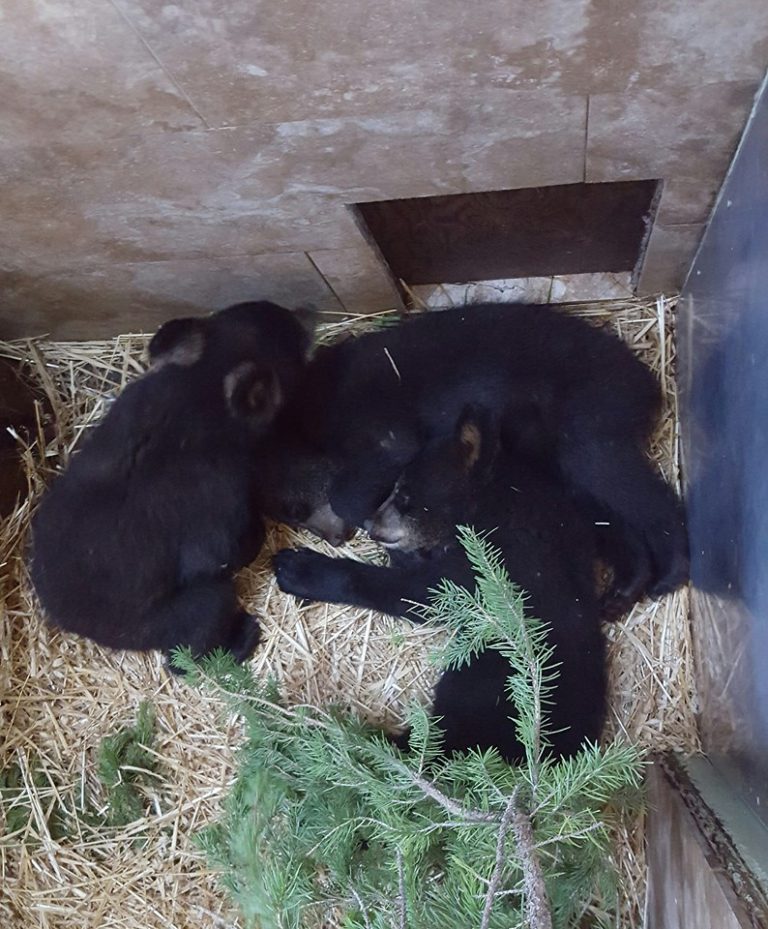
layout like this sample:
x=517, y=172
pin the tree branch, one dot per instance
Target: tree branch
x=537, y=911
x=493, y=884
x=474, y=816
x=570, y=836
x=359, y=902
x=401, y=908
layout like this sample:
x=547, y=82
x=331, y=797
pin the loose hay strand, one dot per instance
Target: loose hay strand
x=60, y=696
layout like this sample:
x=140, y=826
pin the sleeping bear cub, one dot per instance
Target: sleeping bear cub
x=571, y=395
x=135, y=544
x=548, y=549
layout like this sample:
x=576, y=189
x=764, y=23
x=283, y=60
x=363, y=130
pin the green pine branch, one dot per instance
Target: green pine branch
x=126, y=768
x=330, y=822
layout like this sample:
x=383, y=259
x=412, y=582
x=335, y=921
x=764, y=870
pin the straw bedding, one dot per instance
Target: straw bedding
x=60, y=696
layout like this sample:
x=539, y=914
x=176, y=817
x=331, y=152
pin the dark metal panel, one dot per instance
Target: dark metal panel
x=723, y=350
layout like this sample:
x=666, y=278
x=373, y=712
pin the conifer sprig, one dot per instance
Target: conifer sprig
x=329, y=823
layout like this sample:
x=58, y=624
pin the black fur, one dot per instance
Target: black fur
x=294, y=483
x=571, y=396
x=547, y=548
x=135, y=544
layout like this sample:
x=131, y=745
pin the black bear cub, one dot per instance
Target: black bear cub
x=294, y=482
x=570, y=395
x=135, y=544
x=548, y=550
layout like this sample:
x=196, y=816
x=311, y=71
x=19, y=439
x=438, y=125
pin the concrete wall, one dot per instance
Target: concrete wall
x=156, y=158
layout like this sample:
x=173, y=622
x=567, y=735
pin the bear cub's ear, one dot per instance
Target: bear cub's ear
x=476, y=434
x=253, y=393
x=178, y=342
